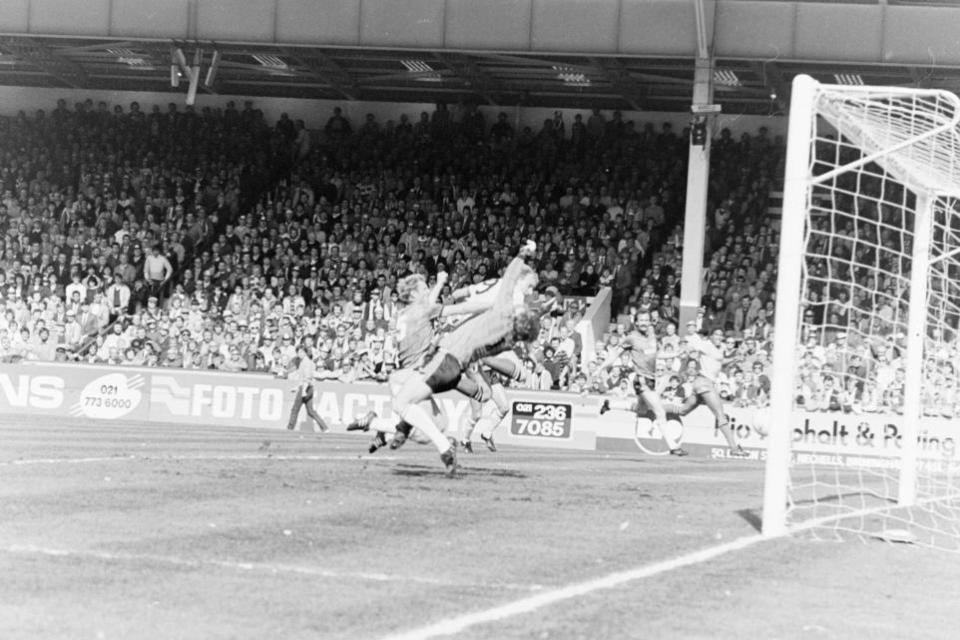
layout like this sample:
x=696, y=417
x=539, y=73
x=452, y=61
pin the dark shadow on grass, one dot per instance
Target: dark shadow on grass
x=834, y=502
x=836, y=499
x=496, y=473
x=752, y=518
x=420, y=471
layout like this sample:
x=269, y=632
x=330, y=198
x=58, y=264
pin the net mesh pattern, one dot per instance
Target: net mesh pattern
x=876, y=156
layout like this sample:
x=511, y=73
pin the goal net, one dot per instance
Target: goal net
x=865, y=389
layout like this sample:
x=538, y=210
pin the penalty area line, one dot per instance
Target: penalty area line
x=457, y=624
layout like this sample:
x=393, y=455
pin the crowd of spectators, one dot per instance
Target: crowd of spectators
x=853, y=326
x=208, y=238
x=211, y=239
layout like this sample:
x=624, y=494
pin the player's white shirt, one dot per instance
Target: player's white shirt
x=711, y=356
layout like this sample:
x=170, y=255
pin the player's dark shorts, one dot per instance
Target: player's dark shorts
x=642, y=383
x=443, y=373
x=702, y=385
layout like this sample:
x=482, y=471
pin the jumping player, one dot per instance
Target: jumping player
x=491, y=372
x=416, y=335
x=704, y=387
x=642, y=345
x=509, y=320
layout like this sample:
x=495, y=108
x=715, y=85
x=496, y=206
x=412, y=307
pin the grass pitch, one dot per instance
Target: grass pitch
x=130, y=531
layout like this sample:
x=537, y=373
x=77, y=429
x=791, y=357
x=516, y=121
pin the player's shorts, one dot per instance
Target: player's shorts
x=701, y=385
x=642, y=383
x=443, y=372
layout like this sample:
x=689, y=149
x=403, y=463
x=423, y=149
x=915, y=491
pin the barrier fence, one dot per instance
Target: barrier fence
x=537, y=419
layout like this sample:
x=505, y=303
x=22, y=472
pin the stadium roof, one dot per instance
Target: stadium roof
x=644, y=53
x=416, y=75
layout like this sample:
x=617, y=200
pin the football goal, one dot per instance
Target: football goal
x=865, y=407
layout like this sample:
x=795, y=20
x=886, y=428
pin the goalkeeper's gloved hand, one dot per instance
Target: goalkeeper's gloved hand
x=528, y=249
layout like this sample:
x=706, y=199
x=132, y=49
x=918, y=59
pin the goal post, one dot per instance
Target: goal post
x=787, y=309
x=867, y=313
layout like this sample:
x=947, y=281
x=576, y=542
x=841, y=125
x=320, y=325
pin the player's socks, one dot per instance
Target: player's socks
x=477, y=392
x=520, y=374
x=419, y=418
x=507, y=368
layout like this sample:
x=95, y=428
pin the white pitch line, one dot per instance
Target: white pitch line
x=264, y=567
x=531, y=603
x=321, y=458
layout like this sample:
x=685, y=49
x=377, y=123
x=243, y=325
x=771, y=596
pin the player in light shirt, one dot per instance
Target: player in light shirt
x=416, y=337
x=641, y=344
x=490, y=333
x=710, y=360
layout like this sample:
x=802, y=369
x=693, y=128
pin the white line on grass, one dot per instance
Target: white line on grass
x=161, y=458
x=532, y=603
x=263, y=567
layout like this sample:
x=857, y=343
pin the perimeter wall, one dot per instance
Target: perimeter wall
x=81, y=394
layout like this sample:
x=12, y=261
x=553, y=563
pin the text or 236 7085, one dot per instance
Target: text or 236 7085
x=541, y=419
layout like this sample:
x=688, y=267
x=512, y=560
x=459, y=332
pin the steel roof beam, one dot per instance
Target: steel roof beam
x=622, y=81
x=47, y=60
x=326, y=69
x=472, y=75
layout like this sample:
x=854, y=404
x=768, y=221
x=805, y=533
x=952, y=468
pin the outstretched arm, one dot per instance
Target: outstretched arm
x=515, y=270
x=466, y=308
x=487, y=288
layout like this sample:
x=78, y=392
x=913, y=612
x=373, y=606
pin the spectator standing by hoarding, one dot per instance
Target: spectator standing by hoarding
x=304, y=375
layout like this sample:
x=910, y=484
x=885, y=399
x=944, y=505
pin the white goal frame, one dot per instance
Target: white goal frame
x=798, y=185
